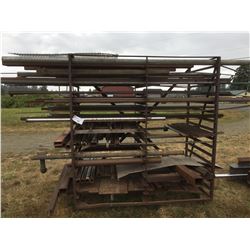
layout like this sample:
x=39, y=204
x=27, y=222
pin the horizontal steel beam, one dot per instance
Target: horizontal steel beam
x=105, y=162
x=88, y=108
x=131, y=100
x=105, y=81
x=145, y=100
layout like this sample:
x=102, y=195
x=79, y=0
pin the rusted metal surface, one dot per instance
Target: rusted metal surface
x=190, y=130
x=62, y=140
x=62, y=186
x=168, y=161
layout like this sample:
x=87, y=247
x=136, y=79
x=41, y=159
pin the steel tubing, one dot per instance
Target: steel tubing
x=111, y=72
x=100, y=119
x=108, y=61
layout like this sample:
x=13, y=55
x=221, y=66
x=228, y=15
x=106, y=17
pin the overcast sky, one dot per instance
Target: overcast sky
x=226, y=45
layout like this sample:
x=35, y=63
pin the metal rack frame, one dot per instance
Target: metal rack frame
x=99, y=144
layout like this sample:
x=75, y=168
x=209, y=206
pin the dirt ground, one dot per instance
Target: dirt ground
x=26, y=192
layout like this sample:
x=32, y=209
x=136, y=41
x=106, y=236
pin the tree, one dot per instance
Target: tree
x=43, y=88
x=242, y=75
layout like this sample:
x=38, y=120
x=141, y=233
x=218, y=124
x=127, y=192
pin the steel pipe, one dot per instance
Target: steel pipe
x=108, y=61
x=101, y=119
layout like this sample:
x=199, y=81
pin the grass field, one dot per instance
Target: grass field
x=11, y=122
x=26, y=192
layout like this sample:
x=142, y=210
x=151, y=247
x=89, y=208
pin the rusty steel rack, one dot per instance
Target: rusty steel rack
x=134, y=138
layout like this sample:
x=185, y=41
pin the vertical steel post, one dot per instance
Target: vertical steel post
x=71, y=107
x=215, y=127
x=187, y=119
x=204, y=107
x=146, y=115
x=71, y=102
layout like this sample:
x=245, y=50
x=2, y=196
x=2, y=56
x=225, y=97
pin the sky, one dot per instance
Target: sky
x=226, y=45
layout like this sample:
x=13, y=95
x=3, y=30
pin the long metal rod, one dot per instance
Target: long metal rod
x=146, y=118
x=127, y=81
x=228, y=175
x=100, y=119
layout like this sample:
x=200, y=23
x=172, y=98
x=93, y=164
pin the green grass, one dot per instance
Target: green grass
x=11, y=120
x=26, y=192
x=233, y=115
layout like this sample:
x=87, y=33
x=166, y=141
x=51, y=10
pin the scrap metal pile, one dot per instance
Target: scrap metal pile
x=139, y=133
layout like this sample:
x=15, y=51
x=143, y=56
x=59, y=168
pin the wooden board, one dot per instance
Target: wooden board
x=135, y=185
x=243, y=160
x=92, y=188
x=108, y=186
x=192, y=177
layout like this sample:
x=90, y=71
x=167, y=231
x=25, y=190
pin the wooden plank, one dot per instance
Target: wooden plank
x=83, y=205
x=243, y=160
x=92, y=188
x=62, y=139
x=135, y=185
x=59, y=187
x=192, y=177
x=170, y=177
x=109, y=186
x=64, y=182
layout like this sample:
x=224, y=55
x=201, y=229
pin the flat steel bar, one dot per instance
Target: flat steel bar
x=138, y=203
x=108, y=162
